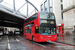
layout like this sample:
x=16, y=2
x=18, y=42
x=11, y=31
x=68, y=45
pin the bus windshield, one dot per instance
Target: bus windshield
x=46, y=15
x=47, y=30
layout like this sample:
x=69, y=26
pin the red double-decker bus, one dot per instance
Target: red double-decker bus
x=40, y=27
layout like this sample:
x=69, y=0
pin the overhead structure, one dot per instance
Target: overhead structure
x=1, y=0
x=12, y=17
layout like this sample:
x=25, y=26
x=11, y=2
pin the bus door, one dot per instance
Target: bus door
x=37, y=33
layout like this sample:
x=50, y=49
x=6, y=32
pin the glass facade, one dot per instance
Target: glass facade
x=61, y=7
x=51, y=9
x=45, y=5
x=42, y=7
x=61, y=0
x=50, y=5
x=62, y=15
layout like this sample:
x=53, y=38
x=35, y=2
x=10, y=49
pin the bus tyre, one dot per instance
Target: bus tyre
x=33, y=38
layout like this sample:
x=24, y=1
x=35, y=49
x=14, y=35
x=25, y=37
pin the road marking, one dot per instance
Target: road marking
x=9, y=46
x=17, y=40
x=7, y=40
x=8, y=43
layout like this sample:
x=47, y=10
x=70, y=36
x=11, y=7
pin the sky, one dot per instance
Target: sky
x=19, y=3
x=36, y=3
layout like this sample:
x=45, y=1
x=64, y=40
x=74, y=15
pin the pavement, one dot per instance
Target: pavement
x=67, y=39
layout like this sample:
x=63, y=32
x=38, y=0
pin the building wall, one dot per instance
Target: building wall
x=74, y=2
x=56, y=10
x=43, y=5
x=69, y=16
x=68, y=3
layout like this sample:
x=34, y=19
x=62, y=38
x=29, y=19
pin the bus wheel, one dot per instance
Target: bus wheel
x=33, y=38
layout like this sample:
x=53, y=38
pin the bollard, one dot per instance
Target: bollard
x=74, y=33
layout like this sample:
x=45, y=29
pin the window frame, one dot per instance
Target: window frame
x=61, y=0
x=41, y=7
x=50, y=5
x=45, y=5
x=61, y=6
x=62, y=15
x=28, y=30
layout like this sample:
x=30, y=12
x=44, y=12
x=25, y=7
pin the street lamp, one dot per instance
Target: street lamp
x=1, y=1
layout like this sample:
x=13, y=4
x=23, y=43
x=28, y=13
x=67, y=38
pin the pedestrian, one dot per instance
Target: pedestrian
x=57, y=32
x=74, y=28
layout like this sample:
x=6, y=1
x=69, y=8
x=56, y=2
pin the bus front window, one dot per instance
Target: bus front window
x=46, y=15
x=47, y=31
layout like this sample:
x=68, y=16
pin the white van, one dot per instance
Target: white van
x=1, y=33
x=16, y=31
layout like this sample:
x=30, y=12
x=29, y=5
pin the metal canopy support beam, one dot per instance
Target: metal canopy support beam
x=27, y=9
x=14, y=6
x=16, y=11
x=17, y=20
x=21, y=6
x=32, y=5
x=1, y=1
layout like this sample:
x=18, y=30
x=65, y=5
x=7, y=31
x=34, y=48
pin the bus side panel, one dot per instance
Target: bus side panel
x=29, y=35
x=25, y=34
x=45, y=38
x=32, y=31
x=37, y=35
